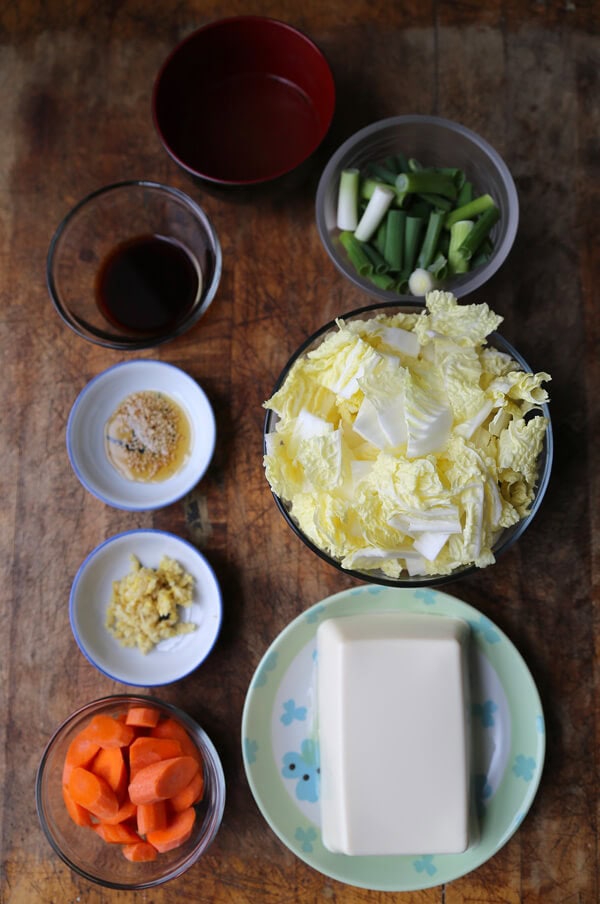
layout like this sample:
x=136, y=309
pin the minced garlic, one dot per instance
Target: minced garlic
x=144, y=605
x=147, y=438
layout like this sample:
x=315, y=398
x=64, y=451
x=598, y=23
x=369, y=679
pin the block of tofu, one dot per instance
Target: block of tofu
x=392, y=710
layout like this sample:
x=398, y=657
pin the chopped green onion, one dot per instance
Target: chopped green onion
x=465, y=194
x=470, y=211
x=377, y=260
x=347, y=207
x=437, y=201
x=412, y=237
x=380, y=235
x=439, y=267
x=432, y=234
x=459, y=231
x=393, y=250
x=356, y=253
x=479, y=232
x=421, y=282
x=383, y=173
x=375, y=211
x=426, y=181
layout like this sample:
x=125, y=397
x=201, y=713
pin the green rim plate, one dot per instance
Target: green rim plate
x=280, y=743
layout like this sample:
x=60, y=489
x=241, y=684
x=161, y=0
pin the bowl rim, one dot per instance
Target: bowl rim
x=462, y=285
x=375, y=576
x=270, y=21
x=104, y=337
x=217, y=777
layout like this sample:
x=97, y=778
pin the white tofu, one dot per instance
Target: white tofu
x=392, y=705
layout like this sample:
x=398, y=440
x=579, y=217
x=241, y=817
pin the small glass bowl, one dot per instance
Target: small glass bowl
x=376, y=576
x=81, y=848
x=109, y=219
x=434, y=142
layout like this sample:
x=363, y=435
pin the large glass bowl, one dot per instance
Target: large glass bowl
x=375, y=576
x=81, y=848
x=433, y=141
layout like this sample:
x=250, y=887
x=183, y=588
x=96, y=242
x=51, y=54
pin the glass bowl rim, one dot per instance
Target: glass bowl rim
x=104, y=337
x=376, y=576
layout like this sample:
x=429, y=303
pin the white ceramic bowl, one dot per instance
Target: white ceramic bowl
x=90, y=595
x=97, y=402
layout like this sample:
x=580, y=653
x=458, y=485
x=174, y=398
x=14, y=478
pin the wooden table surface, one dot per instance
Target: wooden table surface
x=76, y=80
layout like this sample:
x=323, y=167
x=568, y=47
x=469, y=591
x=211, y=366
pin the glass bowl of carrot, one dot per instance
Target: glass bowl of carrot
x=130, y=791
x=412, y=203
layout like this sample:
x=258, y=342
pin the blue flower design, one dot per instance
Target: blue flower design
x=291, y=712
x=425, y=865
x=540, y=725
x=306, y=837
x=314, y=614
x=428, y=596
x=373, y=590
x=303, y=767
x=487, y=630
x=524, y=767
x=251, y=749
x=263, y=674
x=485, y=711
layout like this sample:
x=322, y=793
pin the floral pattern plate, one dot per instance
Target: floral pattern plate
x=280, y=742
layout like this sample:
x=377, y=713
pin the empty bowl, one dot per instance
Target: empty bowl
x=432, y=142
x=80, y=847
x=243, y=100
x=133, y=265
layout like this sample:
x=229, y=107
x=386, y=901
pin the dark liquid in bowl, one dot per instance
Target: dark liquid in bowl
x=147, y=284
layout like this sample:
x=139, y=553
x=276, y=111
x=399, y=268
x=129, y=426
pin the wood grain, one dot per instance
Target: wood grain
x=76, y=80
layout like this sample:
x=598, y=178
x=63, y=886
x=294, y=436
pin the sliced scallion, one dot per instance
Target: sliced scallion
x=347, y=207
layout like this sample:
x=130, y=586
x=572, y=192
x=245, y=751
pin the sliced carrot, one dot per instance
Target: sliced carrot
x=190, y=795
x=151, y=817
x=109, y=764
x=147, y=750
x=140, y=852
x=80, y=752
x=122, y=833
x=127, y=810
x=109, y=732
x=78, y=814
x=92, y=792
x=176, y=832
x=142, y=717
x=169, y=728
x=162, y=780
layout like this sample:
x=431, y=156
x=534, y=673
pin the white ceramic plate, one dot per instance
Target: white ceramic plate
x=280, y=741
x=97, y=402
x=90, y=595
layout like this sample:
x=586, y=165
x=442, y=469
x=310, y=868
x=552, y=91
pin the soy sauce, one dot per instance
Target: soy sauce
x=147, y=284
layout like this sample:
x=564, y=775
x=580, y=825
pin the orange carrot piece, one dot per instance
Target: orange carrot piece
x=190, y=795
x=92, y=792
x=161, y=780
x=109, y=732
x=109, y=764
x=147, y=750
x=151, y=817
x=142, y=717
x=78, y=814
x=169, y=728
x=122, y=833
x=176, y=832
x=140, y=852
x=127, y=810
x=80, y=752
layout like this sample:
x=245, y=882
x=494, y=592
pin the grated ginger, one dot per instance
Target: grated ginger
x=144, y=605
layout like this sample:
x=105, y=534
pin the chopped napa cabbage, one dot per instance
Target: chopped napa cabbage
x=405, y=444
